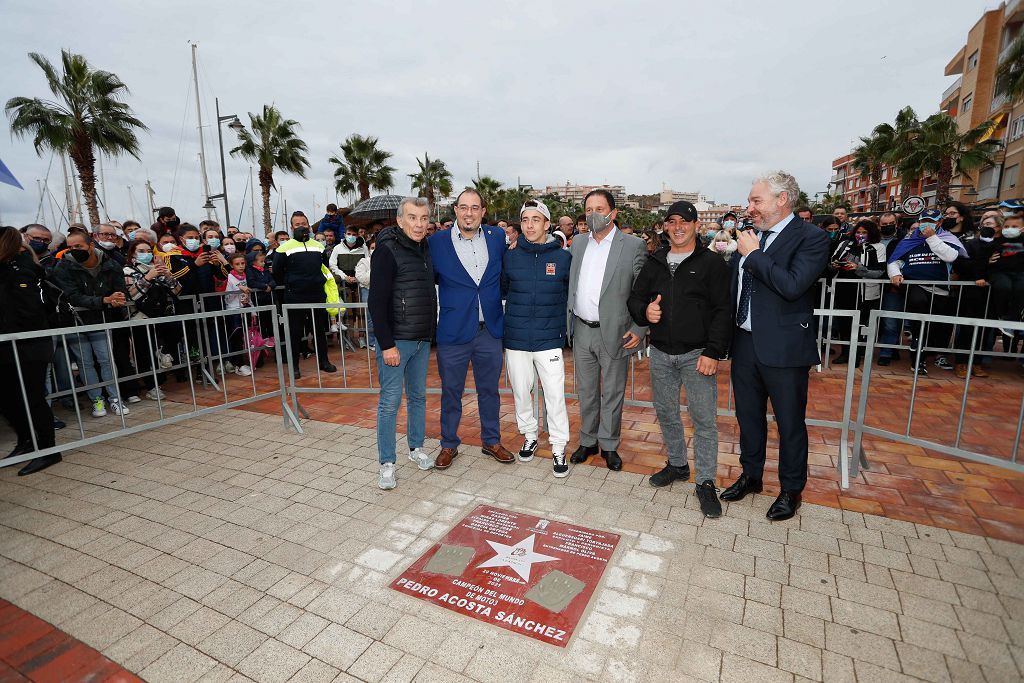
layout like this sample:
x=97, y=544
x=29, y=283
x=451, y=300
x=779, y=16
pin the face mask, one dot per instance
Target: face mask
x=1011, y=233
x=80, y=255
x=861, y=239
x=597, y=222
x=106, y=245
x=131, y=235
x=301, y=234
x=192, y=244
x=144, y=257
x=832, y=233
x=266, y=242
x=888, y=230
x=721, y=246
x=230, y=248
x=168, y=247
x=948, y=223
x=924, y=226
x=321, y=239
x=987, y=232
x=729, y=225
x=350, y=239
x=214, y=242
x=39, y=247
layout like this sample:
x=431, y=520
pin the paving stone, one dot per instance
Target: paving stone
x=273, y=662
x=861, y=645
x=182, y=664
x=231, y=643
x=800, y=659
x=748, y=642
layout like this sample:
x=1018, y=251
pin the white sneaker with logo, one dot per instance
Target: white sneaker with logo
x=243, y=370
x=422, y=460
x=156, y=394
x=386, y=479
x=558, y=465
x=117, y=408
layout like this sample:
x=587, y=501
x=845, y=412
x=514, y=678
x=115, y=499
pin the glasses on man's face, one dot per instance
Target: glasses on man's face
x=469, y=207
x=107, y=235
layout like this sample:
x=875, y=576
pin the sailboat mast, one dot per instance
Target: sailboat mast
x=199, y=126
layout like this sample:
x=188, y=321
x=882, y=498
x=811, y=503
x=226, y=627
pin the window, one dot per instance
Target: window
x=967, y=103
x=972, y=61
x=1017, y=128
x=1010, y=177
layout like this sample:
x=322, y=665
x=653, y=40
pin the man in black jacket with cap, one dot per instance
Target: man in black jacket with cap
x=682, y=293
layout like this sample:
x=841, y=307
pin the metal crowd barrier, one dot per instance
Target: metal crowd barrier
x=69, y=344
x=977, y=324
x=323, y=384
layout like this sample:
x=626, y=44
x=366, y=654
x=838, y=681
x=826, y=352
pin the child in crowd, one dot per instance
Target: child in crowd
x=237, y=297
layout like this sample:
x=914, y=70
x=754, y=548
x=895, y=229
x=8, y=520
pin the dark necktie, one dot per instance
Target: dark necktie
x=743, y=309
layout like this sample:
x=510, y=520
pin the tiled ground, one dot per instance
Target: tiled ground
x=230, y=549
x=904, y=482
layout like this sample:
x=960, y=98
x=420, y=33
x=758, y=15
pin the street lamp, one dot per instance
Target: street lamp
x=238, y=127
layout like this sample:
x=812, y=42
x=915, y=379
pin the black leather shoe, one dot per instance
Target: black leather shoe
x=582, y=453
x=39, y=464
x=328, y=367
x=741, y=488
x=784, y=507
x=21, y=448
x=613, y=460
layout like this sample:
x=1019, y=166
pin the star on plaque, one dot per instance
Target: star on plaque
x=520, y=557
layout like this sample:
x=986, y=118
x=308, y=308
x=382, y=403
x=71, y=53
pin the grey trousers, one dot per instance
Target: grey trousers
x=601, y=386
x=668, y=374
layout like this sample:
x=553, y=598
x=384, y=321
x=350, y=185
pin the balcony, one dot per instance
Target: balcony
x=1014, y=12
x=952, y=89
x=998, y=103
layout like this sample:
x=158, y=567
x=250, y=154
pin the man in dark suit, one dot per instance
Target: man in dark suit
x=773, y=278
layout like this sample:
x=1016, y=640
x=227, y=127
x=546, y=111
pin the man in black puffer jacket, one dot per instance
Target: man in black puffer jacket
x=683, y=293
x=403, y=306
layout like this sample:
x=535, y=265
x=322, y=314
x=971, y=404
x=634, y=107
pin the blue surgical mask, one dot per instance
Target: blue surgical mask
x=350, y=239
x=266, y=242
x=192, y=244
x=214, y=242
x=144, y=257
x=729, y=225
x=131, y=235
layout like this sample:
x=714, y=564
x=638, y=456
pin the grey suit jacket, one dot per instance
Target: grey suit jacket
x=628, y=255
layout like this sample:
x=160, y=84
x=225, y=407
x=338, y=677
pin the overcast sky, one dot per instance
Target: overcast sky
x=701, y=96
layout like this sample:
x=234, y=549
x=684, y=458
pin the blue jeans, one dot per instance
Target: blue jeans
x=88, y=346
x=891, y=327
x=410, y=373
x=364, y=296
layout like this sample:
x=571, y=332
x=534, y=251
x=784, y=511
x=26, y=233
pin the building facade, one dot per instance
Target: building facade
x=576, y=193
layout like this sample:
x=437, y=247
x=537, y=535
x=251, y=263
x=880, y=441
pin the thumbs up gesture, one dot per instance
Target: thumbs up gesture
x=654, y=310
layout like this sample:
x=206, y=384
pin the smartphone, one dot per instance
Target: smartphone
x=206, y=249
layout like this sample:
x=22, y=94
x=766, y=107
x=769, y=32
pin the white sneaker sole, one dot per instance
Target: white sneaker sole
x=386, y=487
x=561, y=475
x=520, y=458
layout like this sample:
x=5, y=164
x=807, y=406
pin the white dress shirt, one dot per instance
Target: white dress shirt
x=773, y=233
x=588, y=286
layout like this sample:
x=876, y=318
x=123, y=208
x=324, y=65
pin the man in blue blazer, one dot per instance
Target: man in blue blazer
x=467, y=268
x=773, y=275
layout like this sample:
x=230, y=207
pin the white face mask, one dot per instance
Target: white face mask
x=1011, y=233
x=230, y=248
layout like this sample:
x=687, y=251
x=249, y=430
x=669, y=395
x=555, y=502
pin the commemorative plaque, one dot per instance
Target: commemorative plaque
x=526, y=574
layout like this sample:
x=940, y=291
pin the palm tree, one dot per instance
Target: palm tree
x=433, y=178
x=488, y=189
x=1010, y=73
x=364, y=168
x=900, y=139
x=87, y=113
x=276, y=146
x=940, y=149
x=869, y=160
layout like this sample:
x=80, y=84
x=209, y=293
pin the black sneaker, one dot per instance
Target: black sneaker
x=943, y=363
x=707, y=494
x=527, y=451
x=670, y=474
x=559, y=466
x=883, y=361
x=922, y=368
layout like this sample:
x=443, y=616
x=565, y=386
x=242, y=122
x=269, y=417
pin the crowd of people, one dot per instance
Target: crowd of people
x=514, y=295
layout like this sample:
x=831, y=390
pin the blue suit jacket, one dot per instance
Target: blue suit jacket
x=459, y=295
x=782, y=298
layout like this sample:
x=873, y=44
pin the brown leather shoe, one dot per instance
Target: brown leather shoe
x=961, y=370
x=499, y=453
x=979, y=370
x=445, y=457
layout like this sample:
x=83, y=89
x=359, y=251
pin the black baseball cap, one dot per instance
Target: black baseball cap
x=683, y=209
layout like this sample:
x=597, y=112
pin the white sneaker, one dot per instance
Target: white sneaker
x=229, y=366
x=243, y=370
x=99, y=409
x=526, y=452
x=166, y=361
x=156, y=394
x=334, y=329
x=386, y=481
x=133, y=399
x=117, y=408
x=422, y=460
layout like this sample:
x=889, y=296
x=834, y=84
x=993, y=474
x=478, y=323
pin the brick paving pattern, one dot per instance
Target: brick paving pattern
x=228, y=549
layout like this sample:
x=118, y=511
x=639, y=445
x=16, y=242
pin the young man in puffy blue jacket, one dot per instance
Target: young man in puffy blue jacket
x=535, y=285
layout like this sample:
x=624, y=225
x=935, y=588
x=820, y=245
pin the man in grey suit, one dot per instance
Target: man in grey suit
x=604, y=264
